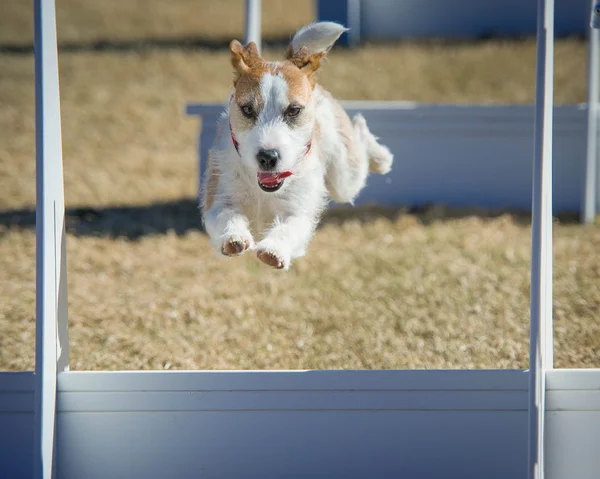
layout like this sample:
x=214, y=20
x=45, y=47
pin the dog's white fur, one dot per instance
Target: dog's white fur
x=240, y=216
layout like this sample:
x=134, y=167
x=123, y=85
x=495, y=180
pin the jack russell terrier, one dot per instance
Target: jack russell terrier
x=284, y=146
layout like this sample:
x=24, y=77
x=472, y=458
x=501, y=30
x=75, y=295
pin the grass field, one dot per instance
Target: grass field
x=378, y=289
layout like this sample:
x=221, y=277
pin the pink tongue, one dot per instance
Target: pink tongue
x=272, y=178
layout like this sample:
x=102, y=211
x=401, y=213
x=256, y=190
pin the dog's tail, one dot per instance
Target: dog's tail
x=316, y=37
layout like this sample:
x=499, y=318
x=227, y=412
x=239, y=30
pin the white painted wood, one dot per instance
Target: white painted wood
x=540, y=355
x=296, y=444
x=572, y=423
x=128, y=413
x=573, y=379
x=471, y=155
x=16, y=381
x=17, y=401
x=253, y=23
x=572, y=444
x=16, y=441
x=17, y=392
x=573, y=400
x=51, y=296
x=591, y=201
x=290, y=401
x=292, y=424
x=297, y=380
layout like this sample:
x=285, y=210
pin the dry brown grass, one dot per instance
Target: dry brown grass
x=85, y=21
x=389, y=293
x=396, y=293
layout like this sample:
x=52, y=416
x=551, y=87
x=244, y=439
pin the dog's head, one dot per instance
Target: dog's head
x=272, y=110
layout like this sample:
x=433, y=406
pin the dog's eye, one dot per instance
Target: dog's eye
x=248, y=111
x=293, y=111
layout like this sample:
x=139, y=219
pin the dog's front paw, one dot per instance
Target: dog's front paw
x=235, y=245
x=273, y=255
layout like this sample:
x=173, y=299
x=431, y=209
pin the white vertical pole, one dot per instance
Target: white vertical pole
x=591, y=199
x=51, y=296
x=253, y=22
x=540, y=352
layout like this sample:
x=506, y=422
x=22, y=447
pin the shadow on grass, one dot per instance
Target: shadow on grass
x=130, y=222
x=182, y=216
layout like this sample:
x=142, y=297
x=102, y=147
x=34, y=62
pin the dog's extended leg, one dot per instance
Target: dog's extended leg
x=228, y=230
x=226, y=226
x=287, y=239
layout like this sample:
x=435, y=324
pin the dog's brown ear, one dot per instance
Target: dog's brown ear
x=307, y=62
x=242, y=58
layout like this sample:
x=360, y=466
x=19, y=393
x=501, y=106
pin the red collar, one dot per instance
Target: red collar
x=233, y=140
x=236, y=143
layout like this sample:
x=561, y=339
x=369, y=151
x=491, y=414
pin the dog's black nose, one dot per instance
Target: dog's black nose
x=267, y=159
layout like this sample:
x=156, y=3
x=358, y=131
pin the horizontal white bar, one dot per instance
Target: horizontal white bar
x=484, y=118
x=292, y=401
x=556, y=379
x=326, y=380
x=465, y=109
x=571, y=379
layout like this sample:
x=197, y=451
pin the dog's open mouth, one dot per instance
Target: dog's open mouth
x=271, y=182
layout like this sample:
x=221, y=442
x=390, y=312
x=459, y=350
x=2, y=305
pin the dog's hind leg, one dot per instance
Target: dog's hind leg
x=347, y=172
x=380, y=158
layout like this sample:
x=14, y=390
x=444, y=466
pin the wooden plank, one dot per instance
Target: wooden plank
x=573, y=379
x=292, y=424
x=572, y=444
x=585, y=400
x=16, y=424
x=16, y=402
x=17, y=381
x=334, y=401
x=382, y=380
x=295, y=444
x=16, y=443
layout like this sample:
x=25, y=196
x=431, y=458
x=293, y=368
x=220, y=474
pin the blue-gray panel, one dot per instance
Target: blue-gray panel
x=299, y=444
x=294, y=380
x=393, y=19
x=572, y=444
x=471, y=155
x=226, y=424
x=488, y=165
x=16, y=425
x=335, y=11
x=16, y=445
